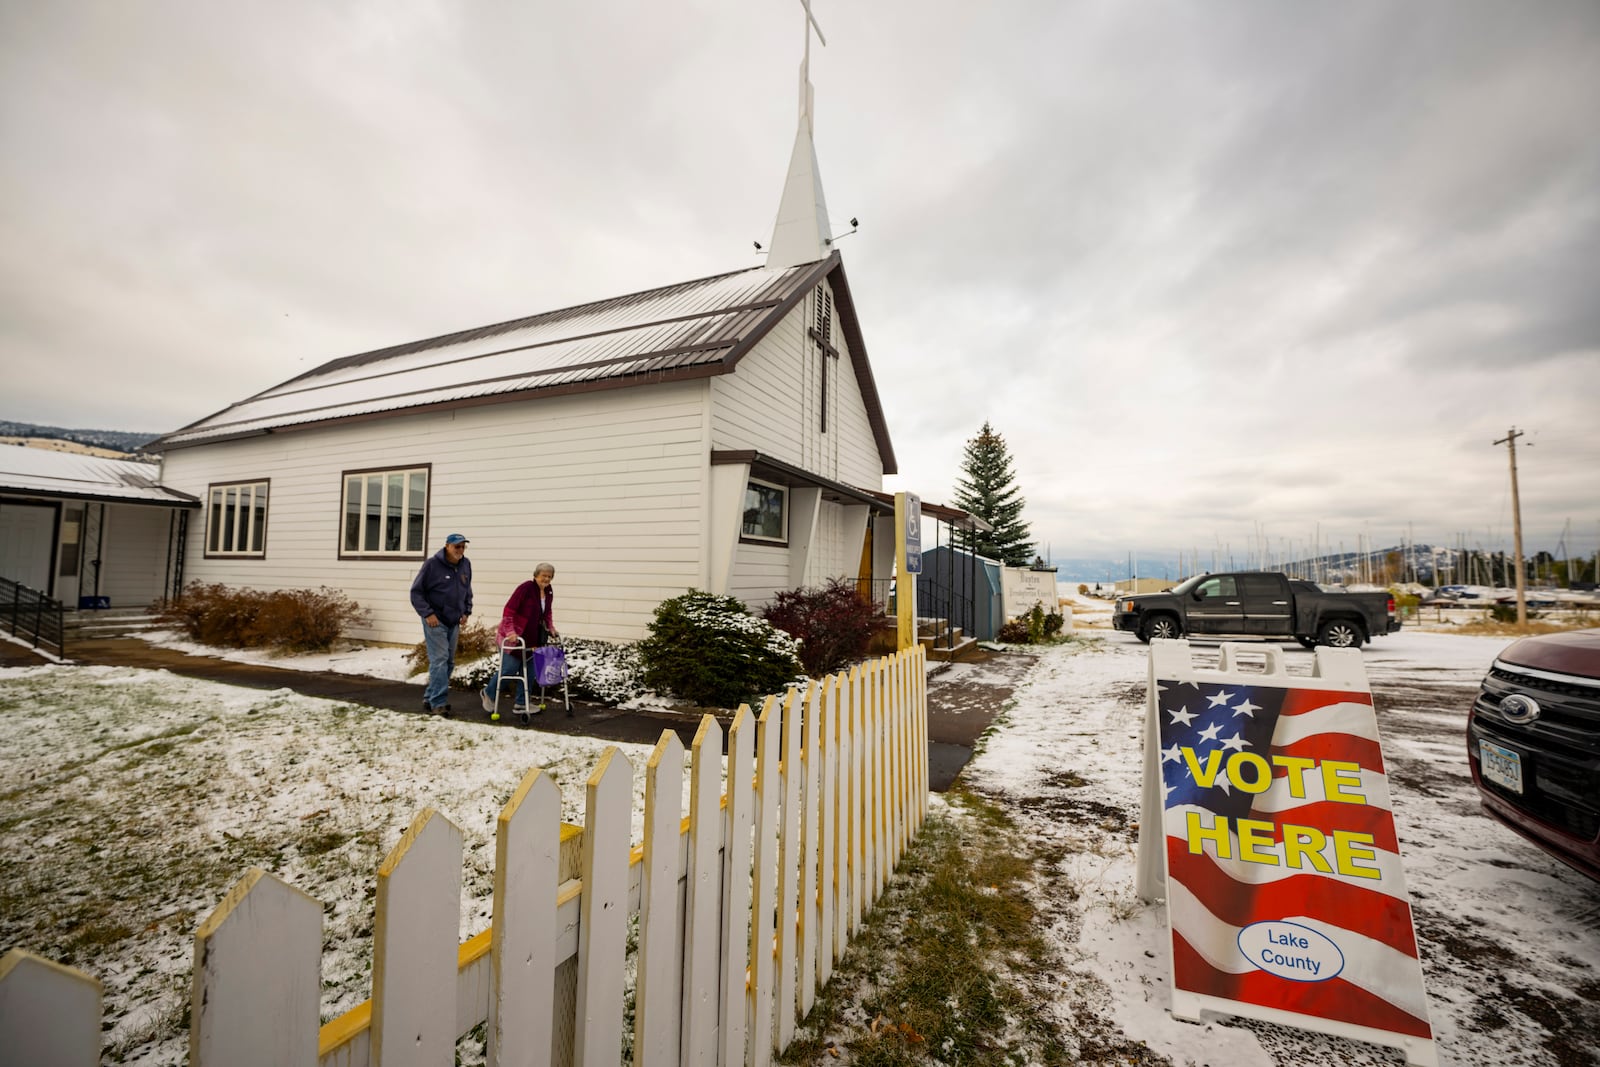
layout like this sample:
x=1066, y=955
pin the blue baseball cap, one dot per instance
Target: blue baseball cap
x=456, y=539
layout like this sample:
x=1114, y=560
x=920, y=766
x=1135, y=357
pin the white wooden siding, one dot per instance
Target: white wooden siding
x=612, y=487
x=759, y=571
x=771, y=403
x=607, y=486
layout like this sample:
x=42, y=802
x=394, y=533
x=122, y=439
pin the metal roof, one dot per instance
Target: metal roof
x=689, y=330
x=47, y=473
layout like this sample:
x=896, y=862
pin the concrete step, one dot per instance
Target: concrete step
x=111, y=622
x=964, y=648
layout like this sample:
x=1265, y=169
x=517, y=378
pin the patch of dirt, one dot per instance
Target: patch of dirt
x=1568, y=1022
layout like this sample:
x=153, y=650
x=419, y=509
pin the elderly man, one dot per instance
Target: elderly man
x=442, y=597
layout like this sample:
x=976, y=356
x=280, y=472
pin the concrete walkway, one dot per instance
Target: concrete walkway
x=962, y=701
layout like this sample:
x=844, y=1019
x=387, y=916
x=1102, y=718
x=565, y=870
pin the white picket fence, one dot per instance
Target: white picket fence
x=745, y=904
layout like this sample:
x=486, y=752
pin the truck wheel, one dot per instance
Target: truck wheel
x=1163, y=626
x=1340, y=633
x=1307, y=642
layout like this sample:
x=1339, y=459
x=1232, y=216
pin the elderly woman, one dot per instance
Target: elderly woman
x=528, y=615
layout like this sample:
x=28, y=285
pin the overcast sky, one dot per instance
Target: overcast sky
x=1216, y=270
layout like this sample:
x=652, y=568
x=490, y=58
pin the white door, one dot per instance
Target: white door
x=27, y=544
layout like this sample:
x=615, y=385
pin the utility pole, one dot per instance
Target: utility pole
x=1510, y=441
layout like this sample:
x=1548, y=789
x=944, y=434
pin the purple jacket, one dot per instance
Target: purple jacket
x=526, y=617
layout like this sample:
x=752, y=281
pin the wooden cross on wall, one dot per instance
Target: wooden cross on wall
x=822, y=333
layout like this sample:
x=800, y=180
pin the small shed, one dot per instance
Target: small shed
x=964, y=588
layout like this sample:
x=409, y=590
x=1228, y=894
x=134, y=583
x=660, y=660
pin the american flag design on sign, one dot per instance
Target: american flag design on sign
x=1284, y=882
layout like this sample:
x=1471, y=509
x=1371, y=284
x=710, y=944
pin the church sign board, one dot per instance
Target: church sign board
x=1267, y=813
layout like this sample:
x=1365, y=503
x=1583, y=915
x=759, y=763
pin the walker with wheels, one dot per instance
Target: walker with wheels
x=512, y=645
x=550, y=670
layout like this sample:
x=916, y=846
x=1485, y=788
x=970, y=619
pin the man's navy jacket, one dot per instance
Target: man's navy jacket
x=443, y=588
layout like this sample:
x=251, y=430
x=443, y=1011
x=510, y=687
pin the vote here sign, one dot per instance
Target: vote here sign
x=1284, y=889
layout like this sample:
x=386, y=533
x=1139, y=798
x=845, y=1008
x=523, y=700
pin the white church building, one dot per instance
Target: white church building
x=724, y=434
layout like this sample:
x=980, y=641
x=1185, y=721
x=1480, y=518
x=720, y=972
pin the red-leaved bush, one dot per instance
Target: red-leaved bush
x=834, y=624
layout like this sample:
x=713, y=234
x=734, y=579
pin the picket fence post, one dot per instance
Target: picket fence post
x=49, y=1013
x=603, y=913
x=828, y=861
x=703, y=897
x=859, y=762
x=769, y=784
x=257, y=981
x=657, y=991
x=880, y=778
x=415, y=946
x=789, y=863
x=527, y=849
x=736, y=879
x=810, y=822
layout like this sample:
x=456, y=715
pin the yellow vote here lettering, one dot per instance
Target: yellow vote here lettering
x=1304, y=847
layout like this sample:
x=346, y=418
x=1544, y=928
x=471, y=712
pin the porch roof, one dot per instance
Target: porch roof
x=42, y=472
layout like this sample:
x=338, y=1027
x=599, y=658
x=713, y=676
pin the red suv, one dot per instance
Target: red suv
x=1533, y=739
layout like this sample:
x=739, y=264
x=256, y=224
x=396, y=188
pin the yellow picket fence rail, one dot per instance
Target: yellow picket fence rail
x=745, y=905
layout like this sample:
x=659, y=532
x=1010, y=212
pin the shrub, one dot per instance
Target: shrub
x=1083, y=590
x=604, y=671
x=475, y=642
x=1053, y=622
x=1014, y=632
x=291, y=620
x=833, y=624
x=707, y=649
x=1035, y=624
x=1507, y=612
x=304, y=620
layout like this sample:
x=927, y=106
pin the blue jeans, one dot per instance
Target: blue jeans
x=511, y=668
x=441, y=642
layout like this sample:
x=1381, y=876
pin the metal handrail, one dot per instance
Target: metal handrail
x=33, y=616
x=943, y=602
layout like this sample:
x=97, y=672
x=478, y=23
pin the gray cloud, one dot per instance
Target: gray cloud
x=1218, y=272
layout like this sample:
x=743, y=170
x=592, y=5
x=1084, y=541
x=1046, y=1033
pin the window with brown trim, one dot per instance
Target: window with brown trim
x=236, y=519
x=766, y=513
x=384, y=513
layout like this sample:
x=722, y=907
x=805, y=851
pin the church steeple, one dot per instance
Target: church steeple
x=801, y=233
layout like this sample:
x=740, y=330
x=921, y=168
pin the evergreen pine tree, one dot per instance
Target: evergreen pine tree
x=987, y=488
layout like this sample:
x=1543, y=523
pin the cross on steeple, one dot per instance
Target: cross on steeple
x=801, y=233
x=805, y=64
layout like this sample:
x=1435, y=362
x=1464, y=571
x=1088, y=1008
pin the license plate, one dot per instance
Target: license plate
x=1501, y=766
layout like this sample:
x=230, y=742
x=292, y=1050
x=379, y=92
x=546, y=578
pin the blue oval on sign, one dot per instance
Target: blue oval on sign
x=1291, y=951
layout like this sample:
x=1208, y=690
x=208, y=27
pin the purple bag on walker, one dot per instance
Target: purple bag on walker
x=550, y=664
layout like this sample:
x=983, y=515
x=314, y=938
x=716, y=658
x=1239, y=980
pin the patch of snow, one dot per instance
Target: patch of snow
x=1493, y=912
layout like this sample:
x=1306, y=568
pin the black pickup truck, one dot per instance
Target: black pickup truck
x=1259, y=604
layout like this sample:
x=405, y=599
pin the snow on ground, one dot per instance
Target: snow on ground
x=134, y=799
x=373, y=661
x=1510, y=937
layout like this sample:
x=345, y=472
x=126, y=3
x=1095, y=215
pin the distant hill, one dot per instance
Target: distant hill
x=116, y=440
